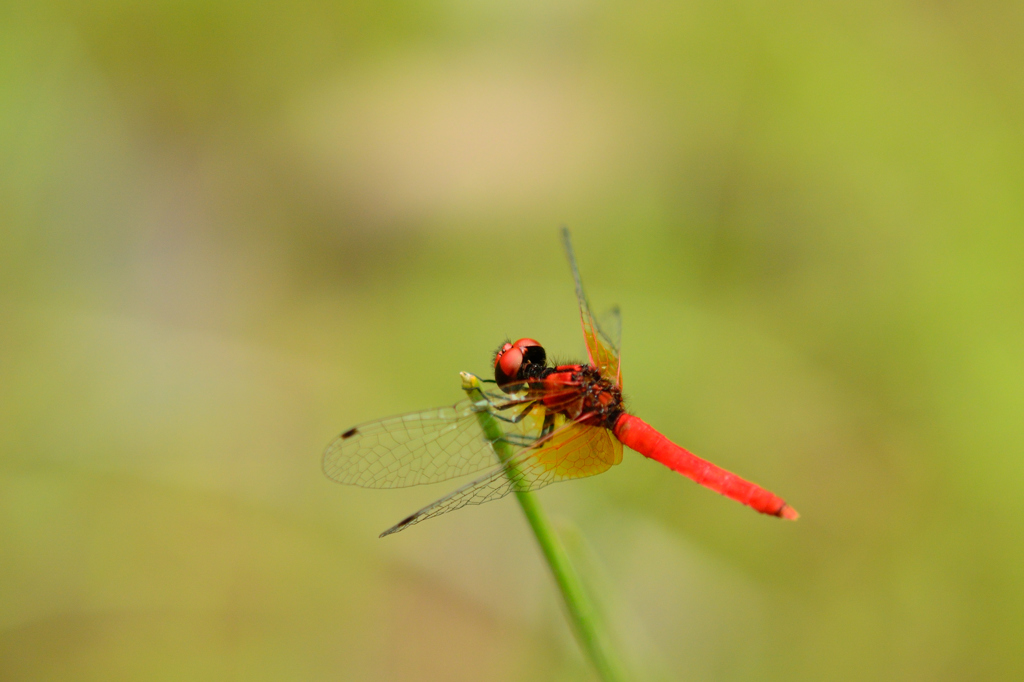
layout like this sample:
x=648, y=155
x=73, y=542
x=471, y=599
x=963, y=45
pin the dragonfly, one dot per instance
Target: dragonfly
x=554, y=423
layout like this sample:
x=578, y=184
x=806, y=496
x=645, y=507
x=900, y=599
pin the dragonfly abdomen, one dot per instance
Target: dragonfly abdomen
x=640, y=436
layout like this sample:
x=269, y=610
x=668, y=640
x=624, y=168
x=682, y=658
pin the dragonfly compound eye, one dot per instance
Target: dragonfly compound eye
x=507, y=363
x=533, y=352
x=510, y=358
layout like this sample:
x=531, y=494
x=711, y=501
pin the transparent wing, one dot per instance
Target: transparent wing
x=602, y=348
x=425, y=447
x=610, y=328
x=572, y=451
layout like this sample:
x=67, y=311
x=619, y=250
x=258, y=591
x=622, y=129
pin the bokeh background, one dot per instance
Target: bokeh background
x=231, y=230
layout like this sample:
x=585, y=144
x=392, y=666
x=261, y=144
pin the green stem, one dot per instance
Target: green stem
x=584, y=617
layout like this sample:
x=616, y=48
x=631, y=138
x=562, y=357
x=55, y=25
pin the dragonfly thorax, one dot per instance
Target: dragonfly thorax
x=595, y=398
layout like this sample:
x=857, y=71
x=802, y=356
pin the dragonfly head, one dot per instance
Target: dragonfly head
x=511, y=358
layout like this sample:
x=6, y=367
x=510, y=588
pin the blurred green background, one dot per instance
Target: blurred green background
x=231, y=230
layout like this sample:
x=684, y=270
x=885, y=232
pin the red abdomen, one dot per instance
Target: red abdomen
x=638, y=435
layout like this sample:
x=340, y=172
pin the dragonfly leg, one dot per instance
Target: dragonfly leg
x=519, y=417
x=549, y=424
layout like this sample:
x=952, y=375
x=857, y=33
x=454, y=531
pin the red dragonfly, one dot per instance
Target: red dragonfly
x=557, y=423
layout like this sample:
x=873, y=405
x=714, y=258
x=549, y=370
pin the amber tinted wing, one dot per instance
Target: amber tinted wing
x=572, y=451
x=602, y=347
x=423, y=447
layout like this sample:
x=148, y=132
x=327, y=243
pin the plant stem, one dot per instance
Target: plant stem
x=584, y=616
